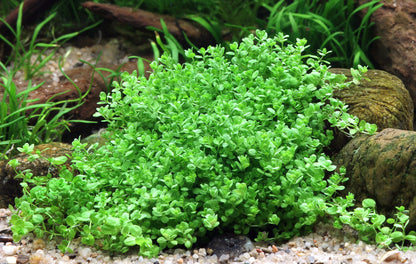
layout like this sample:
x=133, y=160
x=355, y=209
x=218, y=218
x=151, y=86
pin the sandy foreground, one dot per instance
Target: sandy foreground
x=325, y=245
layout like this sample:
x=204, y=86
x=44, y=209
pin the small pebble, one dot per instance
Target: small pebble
x=368, y=248
x=10, y=250
x=390, y=256
x=11, y=260
x=311, y=259
x=22, y=259
x=202, y=252
x=325, y=246
x=179, y=251
x=291, y=244
x=210, y=251
x=38, y=244
x=85, y=252
x=244, y=257
x=224, y=258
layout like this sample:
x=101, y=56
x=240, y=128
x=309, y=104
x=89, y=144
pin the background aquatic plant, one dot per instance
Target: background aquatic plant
x=22, y=120
x=338, y=26
x=334, y=25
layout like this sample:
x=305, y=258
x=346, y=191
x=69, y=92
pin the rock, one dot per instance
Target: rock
x=95, y=137
x=39, y=257
x=383, y=100
x=11, y=260
x=10, y=187
x=10, y=250
x=231, y=245
x=22, y=259
x=393, y=255
x=395, y=51
x=382, y=167
x=224, y=258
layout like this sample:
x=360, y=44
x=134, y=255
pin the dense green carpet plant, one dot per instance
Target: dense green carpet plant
x=228, y=141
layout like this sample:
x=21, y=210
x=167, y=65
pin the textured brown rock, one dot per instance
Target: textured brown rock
x=382, y=167
x=395, y=51
x=383, y=101
x=10, y=187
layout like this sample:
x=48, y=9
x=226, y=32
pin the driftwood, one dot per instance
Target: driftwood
x=141, y=19
x=30, y=11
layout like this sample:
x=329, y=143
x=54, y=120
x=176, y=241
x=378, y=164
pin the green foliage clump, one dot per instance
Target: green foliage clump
x=371, y=226
x=228, y=141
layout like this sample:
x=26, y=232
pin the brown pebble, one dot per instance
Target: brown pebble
x=37, y=259
x=38, y=244
x=267, y=250
x=210, y=251
x=274, y=249
x=390, y=256
x=291, y=244
x=180, y=260
x=22, y=259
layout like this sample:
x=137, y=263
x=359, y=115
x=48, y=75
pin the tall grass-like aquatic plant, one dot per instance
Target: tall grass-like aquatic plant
x=228, y=141
x=6, y=6
x=22, y=120
x=334, y=25
x=32, y=55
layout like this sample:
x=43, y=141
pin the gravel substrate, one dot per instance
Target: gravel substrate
x=325, y=245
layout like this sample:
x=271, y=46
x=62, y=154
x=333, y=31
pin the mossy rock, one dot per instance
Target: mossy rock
x=382, y=99
x=382, y=167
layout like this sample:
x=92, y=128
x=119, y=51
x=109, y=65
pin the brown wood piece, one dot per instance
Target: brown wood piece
x=31, y=10
x=141, y=19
